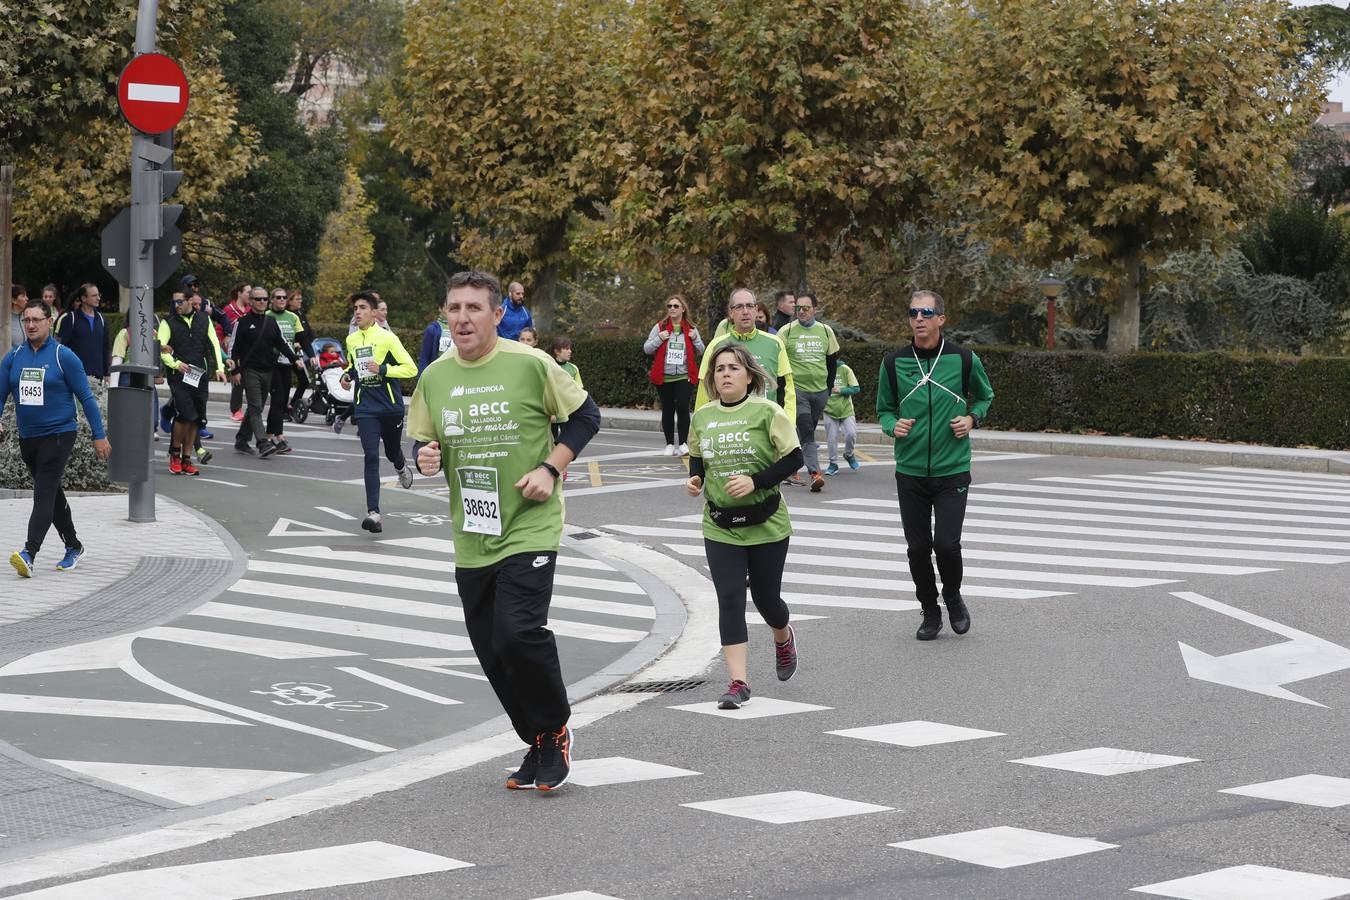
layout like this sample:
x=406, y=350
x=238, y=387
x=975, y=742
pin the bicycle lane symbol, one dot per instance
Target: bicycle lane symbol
x=308, y=693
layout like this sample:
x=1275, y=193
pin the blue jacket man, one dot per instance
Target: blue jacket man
x=83, y=330
x=515, y=317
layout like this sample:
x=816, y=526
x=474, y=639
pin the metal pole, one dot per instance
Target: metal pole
x=140, y=311
x=1050, y=324
x=7, y=245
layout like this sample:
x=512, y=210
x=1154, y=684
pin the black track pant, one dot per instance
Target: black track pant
x=46, y=459
x=506, y=615
x=302, y=384
x=729, y=564
x=932, y=511
x=281, y=394
x=675, y=407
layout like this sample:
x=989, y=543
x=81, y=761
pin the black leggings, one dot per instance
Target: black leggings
x=932, y=511
x=728, y=564
x=302, y=384
x=46, y=459
x=675, y=403
x=280, y=391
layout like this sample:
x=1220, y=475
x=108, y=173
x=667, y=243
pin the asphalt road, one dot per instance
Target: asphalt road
x=1153, y=698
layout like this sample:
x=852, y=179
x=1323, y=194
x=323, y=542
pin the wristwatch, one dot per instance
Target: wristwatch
x=974, y=421
x=551, y=470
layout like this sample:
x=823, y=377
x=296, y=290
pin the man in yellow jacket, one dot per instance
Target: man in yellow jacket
x=376, y=360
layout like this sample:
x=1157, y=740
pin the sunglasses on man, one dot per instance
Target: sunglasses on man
x=926, y=311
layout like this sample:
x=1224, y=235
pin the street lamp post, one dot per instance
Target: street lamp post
x=1051, y=287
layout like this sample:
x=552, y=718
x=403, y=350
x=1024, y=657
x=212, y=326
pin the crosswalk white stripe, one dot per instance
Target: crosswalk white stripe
x=441, y=545
x=259, y=876
x=398, y=686
x=885, y=604
x=976, y=572
x=1273, y=480
x=336, y=512
x=423, y=584
x=896, y=551
x=973, y=536
x=242, y=643
x=1227, y=525
x=441, y=612
x=1294, y=476
x=890, y=585
x=979, y=499
x=1219, y=483
x=803, y=521
x=433, y=564
x=328, y=625
x=189, y=785
x=1084, y=491
x=110, y=709
x=1170, y=486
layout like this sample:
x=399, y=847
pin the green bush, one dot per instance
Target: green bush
x=84, y=472
x=1274, y=400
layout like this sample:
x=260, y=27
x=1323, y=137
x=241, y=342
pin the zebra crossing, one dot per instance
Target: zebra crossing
x=322, y=654
x=1056, y=536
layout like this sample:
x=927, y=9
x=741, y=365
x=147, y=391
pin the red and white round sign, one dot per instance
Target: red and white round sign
x=153, y=93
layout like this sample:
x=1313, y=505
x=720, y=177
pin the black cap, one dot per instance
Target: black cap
x=189, y=280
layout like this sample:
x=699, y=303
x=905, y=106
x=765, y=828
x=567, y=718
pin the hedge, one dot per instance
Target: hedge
x=1271, y=400
x=84, y=472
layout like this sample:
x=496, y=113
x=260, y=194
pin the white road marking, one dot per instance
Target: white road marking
x=426, y=584
x=443, y=545
x=218, y=481
x=242, y=643
x=1258, y=505
x=441, y=666
x=1250, y=883
x=398, y=686
x=259, y=876
x=1004, y=847
x=295, y=528
x=328, y=625
x=189, y=785
x=1169, y=486
x=336, y=512
x=787, y=806
x=110, y=709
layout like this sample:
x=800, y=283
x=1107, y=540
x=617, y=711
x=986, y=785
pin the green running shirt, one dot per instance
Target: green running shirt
x=491, y=417
x=741, y=440
x=806, y=350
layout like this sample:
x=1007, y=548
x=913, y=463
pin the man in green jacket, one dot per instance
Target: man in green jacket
x=930, y=396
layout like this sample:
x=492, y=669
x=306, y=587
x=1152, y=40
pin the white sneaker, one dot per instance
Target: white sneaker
x=670, y=449
x=405, y=477
x=372, y=523
x=684, y=449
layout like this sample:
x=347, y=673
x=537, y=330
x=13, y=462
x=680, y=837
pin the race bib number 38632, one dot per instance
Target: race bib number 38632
x=30, y=387
x=480, y=499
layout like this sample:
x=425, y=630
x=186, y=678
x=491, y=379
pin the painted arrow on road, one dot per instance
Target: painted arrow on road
x=1264, y=670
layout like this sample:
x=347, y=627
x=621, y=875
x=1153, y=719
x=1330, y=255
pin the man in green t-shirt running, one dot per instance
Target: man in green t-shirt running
x=813, y=351
x=481, y=414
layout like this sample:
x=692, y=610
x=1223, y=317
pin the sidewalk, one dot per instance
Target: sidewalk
x=1176, y=451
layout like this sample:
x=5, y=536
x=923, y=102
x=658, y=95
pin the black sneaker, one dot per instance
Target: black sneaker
x=266, y=449
x=555, y=758
x=738, y=693
x=932, y=624
x=522, y=779
x=243, y=448
x=958, y=615
x=282, y=446
x=785, y=656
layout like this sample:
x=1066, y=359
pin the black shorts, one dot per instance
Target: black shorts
x=190, y=402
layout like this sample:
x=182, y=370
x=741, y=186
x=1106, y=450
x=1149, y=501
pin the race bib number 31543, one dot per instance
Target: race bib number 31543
x=479, y=498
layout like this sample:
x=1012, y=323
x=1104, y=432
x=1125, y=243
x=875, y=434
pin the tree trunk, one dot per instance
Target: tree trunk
x=789, y=263
x=542, y=300
x=1122, y=328
x=718, y=264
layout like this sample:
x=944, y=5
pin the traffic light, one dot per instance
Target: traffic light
x=154, y=161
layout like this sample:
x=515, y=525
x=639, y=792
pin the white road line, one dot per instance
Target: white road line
x=189, y=785
x=442, y=612
x=328, y=625
x=441, y=666
x=336, y=512
x=1272, y=480
x=218, y=481
x=110, y=709
x=240, y=643
x=889, y=585
x=803, y=521
x=259, y=876
x=976, y=572
x=1020, y=512
x=149, y=679
x=1260, y=504
x=1068, y=507
x=442, y=545
x=1167, y=486
x=579, y=491
x=1217, y=484
x=361, y=558
x=398, y=686
x=1293, y=476
x=887, y=604
x=426, y=584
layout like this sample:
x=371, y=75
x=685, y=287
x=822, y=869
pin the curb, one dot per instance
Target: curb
x=1289, y=459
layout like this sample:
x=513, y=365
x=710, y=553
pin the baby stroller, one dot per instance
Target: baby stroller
x=329, y=396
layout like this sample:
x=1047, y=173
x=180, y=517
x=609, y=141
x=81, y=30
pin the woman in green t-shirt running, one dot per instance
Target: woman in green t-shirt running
x=744, y=446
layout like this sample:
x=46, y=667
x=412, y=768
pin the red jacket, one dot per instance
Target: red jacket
x=657, y=375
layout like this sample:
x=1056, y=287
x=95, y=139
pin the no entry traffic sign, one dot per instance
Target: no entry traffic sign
x=153, y=93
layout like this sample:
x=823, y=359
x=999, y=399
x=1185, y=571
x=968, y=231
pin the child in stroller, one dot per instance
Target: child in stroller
x=329, y=395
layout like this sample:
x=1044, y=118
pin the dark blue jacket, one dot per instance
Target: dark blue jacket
x=63, y=382
x=515, y=319
x=90, y=342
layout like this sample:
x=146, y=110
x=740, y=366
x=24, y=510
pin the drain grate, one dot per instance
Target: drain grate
x=659, y=687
